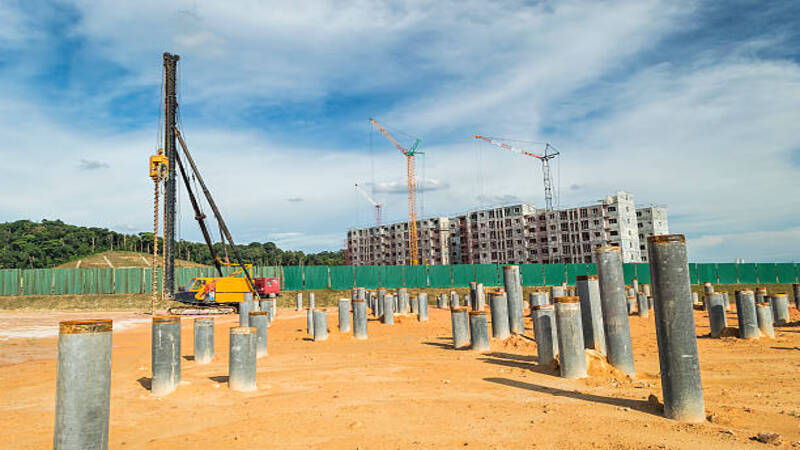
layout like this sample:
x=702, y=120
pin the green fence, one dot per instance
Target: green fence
x=139, y=280
x=367, y=277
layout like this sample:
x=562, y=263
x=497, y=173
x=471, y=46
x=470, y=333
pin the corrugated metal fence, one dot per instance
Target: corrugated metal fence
x=139, y=281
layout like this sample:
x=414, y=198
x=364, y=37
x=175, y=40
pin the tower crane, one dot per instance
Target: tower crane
x=409, y=153
x=378, y=206
x=550, y=152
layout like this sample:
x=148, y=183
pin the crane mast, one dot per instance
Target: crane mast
x=412, y=190
x=550, y=152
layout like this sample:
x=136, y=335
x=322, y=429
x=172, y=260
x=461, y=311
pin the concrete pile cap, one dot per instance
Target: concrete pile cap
x=569, y=299
x=477, y=313
x=85, y=326
x=761, y=290
x=458, y=308
x=586, y=277
x=510, y=266
x=744, y=291
x=632, y=296
x=763, y=304
x=243, y=330
x=780, y=294
x=166, y=319
x=359, y=300
x=258, y=313
x=606, y=248
x=497, y=292
x=537, y=307
x=666, y=239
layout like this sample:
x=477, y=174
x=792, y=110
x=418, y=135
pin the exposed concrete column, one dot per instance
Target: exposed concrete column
x=422, y=312
x=480, y=304
x=479, y=331
x=615, y=310
x=746, y=314
x=588, y=289
x=642, y=305
x=320, y=325
x=675, y=329
x=513, y=286
x=388, y=315
x=570, y=337
x=544, y=328
x=165, y=354
x=203, y=340
x=460, y=326
x=299, y=302
x=242, y=359
x=780, y=308
x=716, y=313
x=359, y=319
x=344, y=315
x=83, y=384
x=765, y=319
x=498, y=305
x=259, y=320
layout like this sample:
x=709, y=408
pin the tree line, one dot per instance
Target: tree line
x=25, y=244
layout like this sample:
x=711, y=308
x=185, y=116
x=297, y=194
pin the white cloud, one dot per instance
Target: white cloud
x=709, y=136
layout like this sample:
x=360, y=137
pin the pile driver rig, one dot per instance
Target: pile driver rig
x=207, y=295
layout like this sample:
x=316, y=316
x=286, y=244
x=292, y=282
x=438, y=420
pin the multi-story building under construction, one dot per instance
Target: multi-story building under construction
x=516, y=234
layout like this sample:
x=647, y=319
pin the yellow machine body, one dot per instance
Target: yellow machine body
x=226, y=289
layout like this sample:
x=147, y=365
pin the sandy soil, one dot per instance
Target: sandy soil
x=406, y=388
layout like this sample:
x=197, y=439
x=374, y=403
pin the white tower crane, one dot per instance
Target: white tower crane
x=378, y=206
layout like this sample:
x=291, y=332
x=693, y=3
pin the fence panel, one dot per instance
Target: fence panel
x=64, y=281
x=643, y=273
x=293, y=278
x=416, y=276
x=342, y=277
x=693, y=273
x=726, y=273
x=554, y=274
x=391, y=277
x=463, y=274
x=367, y=277
x=531, y=274
x=488, y=274
x=440, y=276
x=316, y=277
x=591, y=269
x=707, y=273
x=629, y=272
x=747, y=273
x=37, y=281
x=9, y=281
x=573, y=270
x=786, y=273
x=767, y=273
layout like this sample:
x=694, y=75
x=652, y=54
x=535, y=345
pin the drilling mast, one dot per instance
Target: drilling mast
x=170, y=106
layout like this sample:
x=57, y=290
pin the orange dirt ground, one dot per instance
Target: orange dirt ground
x=405, y=388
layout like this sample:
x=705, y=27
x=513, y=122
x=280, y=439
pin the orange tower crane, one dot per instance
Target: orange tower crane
x=409, y=153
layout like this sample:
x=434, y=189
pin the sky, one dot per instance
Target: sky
x=692, y=105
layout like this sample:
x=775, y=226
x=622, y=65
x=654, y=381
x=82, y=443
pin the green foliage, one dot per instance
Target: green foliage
x=25, y=244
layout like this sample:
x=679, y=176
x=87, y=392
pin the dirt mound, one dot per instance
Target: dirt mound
x=597, y=366
x=516, y=342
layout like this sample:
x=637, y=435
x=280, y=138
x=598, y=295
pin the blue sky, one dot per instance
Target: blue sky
x=692, y=105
